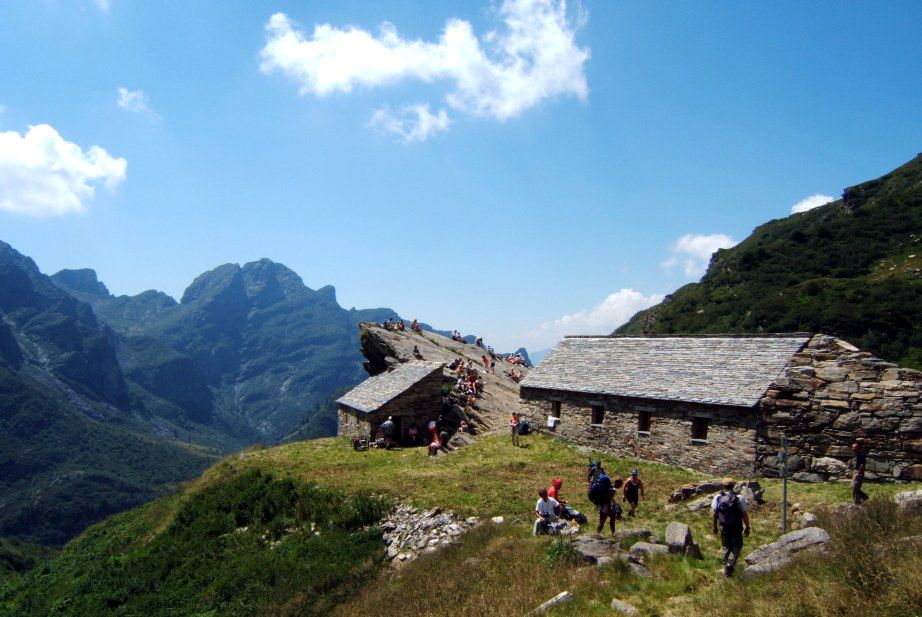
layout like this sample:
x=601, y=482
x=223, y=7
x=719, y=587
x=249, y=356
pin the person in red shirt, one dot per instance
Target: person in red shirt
x=554, y=493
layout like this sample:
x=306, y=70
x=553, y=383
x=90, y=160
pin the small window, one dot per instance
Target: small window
x=699, y=428
x=598, y=414
x=643, y=421
x=555, y=409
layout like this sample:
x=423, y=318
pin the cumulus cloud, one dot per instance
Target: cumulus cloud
x=532, y=57
x=42, y=174
x=692, y=252
x=411, y=123
x=813, y=201
x=135, y=100
x=603, y=318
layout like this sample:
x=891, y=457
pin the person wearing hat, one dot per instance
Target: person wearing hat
x=731, y=512
x=545, y=512
x=633, y=491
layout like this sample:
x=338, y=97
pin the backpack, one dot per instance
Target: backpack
x=600, y=489
x=729, y=513
x=523, y=427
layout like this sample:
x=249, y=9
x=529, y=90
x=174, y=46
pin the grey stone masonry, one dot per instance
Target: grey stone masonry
x=728, y=447
x=831, y=393
x=379, y=390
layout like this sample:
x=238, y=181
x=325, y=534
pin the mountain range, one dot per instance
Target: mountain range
x=851, y=268
x=105, y=400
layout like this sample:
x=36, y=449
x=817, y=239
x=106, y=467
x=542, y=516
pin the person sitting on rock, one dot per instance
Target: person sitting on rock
x=479, y=342
x=545, y=513
x=416, y=352
x=415, y=327
x=732, y=512
x=553, y=492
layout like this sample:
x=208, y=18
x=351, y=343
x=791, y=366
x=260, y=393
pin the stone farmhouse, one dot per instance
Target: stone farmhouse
x=411, y=393
x=720, y=403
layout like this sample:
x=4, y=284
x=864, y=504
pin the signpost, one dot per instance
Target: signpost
x=783, y=461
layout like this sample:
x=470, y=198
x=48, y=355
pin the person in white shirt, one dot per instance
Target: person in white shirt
x=545, y=512
x=731, y=512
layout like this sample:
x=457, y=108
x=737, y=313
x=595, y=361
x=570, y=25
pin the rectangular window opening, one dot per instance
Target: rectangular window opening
x=555, y=409
x=598, y=414
x=643, y=421
x=700, y=428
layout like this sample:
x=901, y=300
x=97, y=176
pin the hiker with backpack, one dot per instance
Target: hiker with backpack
x=514, y=428
x=633, y=491
x=731, y=512
x=602, y=493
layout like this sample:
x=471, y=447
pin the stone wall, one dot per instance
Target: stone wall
x=832, y=393
x=418, y=404
x=730, y=446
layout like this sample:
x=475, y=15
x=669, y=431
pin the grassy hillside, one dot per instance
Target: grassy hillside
x=851, y=268
x=190, y=554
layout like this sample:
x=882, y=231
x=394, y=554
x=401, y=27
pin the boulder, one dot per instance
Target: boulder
x=594, y=549
x=701, y=504
x=635, y=535
x=829, y=466
x=909, y=501
x=646, y=548
x=806, y=519
x=561, y=598
x=498, y=520
x=638, y=569
x=780, y=553
x=844, y=510
x=803, y=476
x=687, y=491
x=678, y=537
x=623, y=608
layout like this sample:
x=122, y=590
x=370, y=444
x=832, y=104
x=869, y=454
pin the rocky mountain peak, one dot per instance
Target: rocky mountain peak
x=83, y=280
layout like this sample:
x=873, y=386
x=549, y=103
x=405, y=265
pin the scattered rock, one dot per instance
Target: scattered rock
x=779, y=553
x=624, y=608
x=638, y=569
x=625, y=535
x=678, y=537
x=806, y=519
x=701, y=504
x=497, y=520
x=409, y=532
x=687, y=491
x=678, y=600
x=693, y=550
x=844, y=510
x=646, y=548
x=561, y=598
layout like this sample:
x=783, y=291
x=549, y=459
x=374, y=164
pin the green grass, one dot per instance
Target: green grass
x=511, y=574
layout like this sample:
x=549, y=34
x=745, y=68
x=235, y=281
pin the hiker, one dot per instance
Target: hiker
x=732, y=512
x=388, y=428
x=416, y=353
x=607, y=509
x=595, y=469
x=633, y=491
x=514, y=428
x=493, y=365
x=413, y=433
x=861, y=459
x=554, y=493
x=479, y=342
x=415, y=327
x=545, y=512
x=486, y=362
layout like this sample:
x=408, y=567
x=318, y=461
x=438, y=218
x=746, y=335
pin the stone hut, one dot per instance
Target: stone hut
x=720, y=403
x=411, y=393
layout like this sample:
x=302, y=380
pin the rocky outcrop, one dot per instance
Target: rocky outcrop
x=780, y=553
x=410, y=532
x=679, y=540
x=828, y=395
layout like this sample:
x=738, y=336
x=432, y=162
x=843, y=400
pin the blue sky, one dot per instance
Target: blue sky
x=520, y=170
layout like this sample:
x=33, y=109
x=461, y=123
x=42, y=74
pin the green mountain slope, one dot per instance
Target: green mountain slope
x=851, y=268
x=77, y=442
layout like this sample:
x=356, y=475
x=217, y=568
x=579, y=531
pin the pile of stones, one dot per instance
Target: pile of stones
x=410, y=532
x=751, y=491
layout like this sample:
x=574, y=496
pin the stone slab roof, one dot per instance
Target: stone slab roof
x=723, y=370
x=376, y=391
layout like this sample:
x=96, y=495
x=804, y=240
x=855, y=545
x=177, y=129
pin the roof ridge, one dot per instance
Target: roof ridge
x=741, y=335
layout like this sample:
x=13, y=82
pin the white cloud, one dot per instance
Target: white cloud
x=693, y=252
x=135, y=100
x=103, y=5
x=603, y=318
x=813, y=201
x=531, y=58
x=411, y=123
x=42, y=174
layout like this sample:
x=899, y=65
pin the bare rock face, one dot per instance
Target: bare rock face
x=779, y=554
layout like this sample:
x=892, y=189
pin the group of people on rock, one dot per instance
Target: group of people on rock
x=468, y=387
x=397, y=326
